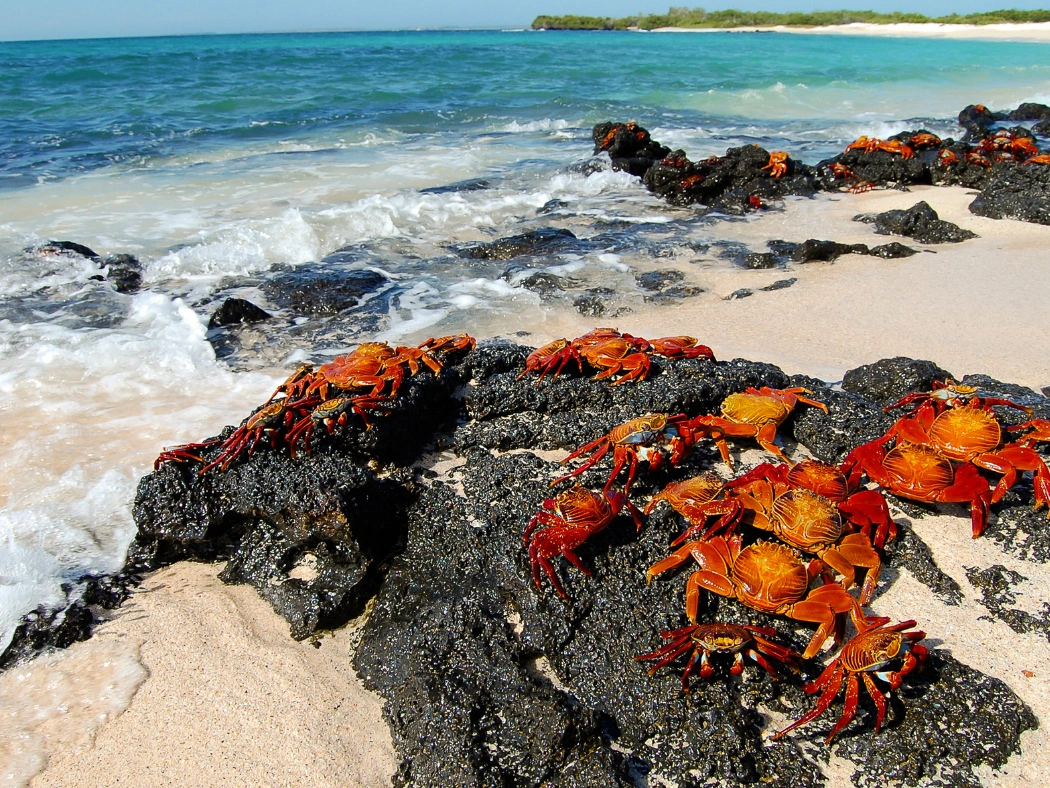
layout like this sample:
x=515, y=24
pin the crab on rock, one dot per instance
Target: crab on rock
x=697, y=499
x=754, y=413
x=867, y=654
x=571, y=518
x=720, y=638
x=765, y=576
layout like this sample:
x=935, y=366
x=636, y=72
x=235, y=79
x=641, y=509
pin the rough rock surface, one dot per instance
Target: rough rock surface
x=1016, y=193
x=919, y=222
x=319, y=289
x=234, y=311
x=542, y=241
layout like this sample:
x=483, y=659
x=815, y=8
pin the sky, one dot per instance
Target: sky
x=49, y=19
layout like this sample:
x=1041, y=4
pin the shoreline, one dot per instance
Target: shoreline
x=226, y=688
x=1031, y=32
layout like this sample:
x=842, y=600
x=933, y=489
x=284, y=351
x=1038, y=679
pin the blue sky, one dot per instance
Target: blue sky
x=101, y=18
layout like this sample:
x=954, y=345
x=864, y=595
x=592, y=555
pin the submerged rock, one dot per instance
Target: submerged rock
x=542, y=241
x=234, y=311
x=321, y=290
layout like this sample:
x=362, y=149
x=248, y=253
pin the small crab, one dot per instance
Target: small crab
x=571, y=519
x=697, y=499
x=766, y=576
x=950, y=394
x=924, y=139
x=332, y=412
x=870, y=652
x=946, y=157
x=654, y=438
x=706, y=640
x=268, y=421
x=754, y=413
x=872, y=144
x=777, y=164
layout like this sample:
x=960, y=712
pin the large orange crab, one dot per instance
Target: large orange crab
x=970, y=433
x=870, y=652
x=720, y=638
x=768, y=577
x=922, y=473
x=654, y=438
x=571, y=518
x=754, y=413
x=777, y=163
x=863, y=510
x=811, y=523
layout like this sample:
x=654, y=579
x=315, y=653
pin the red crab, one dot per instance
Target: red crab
x=921, y=473
x=754, y=413
x=332, y=412
x=765, y=576
x=924, y=139
x=697, y=499
x=571, y=518
x=720, y=638
x=654, y=438
x=777, y=164
x=268, y=421
x=870, y=652
x=949, y=394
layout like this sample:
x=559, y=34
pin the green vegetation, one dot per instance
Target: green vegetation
x=698, y=17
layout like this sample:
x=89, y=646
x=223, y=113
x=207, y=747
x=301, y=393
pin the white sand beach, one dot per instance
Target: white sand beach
x=1030, y=31
x=224, y=696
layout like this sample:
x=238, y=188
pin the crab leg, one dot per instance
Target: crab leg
x=879, y=698
x=849, y=710
x=831, y=680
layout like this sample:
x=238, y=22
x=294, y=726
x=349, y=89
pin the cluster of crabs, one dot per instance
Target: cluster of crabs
x=361, y=382
x=817, y=522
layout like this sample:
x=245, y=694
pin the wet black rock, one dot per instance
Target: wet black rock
x=758, y=261
x=1029, y=111
x=978, y=120
x=851, y=420
x=470, y=185
x=1016, y=192
x=919, y=222
x=736, y=295
x=321, y=290
x=889, y=379
x=659, y=280
x=64, y=247
x=999, y=586
x=630, y=146
x=814, y=250
x=879, y=167
x=592, y=303
x=780, y=284
x=542, y=241
x=547, y=285
x=234, y=311
x=892, y=251
x=124, y=271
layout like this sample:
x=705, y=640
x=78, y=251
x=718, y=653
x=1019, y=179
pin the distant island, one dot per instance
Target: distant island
x=699, y=18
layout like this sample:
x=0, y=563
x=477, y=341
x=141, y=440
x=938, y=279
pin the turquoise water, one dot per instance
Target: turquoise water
x=222, y=161
x=71, y=106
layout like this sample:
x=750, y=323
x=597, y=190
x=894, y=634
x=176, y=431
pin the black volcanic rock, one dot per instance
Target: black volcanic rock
x=234, y=311
x=892, y=251
x=124, y=271
x=1018, y=192
x=886, y=381
x=919, y=222
x=542, y=241
x=629, y=146
x=321, y=290
x=64, y=247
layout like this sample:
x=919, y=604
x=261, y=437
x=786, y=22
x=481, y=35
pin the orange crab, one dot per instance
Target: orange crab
x=924, y=139
x=571, y=518
x=697, y=499
x=692, y=180
x=332, y=412
x=765, y=576
x=1041, y=159
x=922, y=473
x=654, y=438
x=870, y=652
x=864, y=510
x=975, y=158
x=946, y=157
x=970, y=433
x=950, y=394
x=811, y=523
x=777, y=164
x=754, y=413
x=720, y=638
x=268, y=421
x=872, y=144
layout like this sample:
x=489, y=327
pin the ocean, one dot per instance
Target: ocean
x=226, y=162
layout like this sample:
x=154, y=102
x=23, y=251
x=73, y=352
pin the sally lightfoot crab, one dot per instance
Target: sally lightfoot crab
x=705, y=640
x=571, y=518
x=866, y=655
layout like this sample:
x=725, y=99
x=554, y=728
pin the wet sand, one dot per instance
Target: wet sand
x=1038, y=32
x=230, y=699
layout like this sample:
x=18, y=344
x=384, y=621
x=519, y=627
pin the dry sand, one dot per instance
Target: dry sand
x=1033, y=31
x=230, y=699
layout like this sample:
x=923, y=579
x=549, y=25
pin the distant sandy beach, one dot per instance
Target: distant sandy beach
x=1031, y=31
x=224, y=696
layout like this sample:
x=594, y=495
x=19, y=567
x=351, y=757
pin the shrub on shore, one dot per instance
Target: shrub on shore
x=698, y=17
